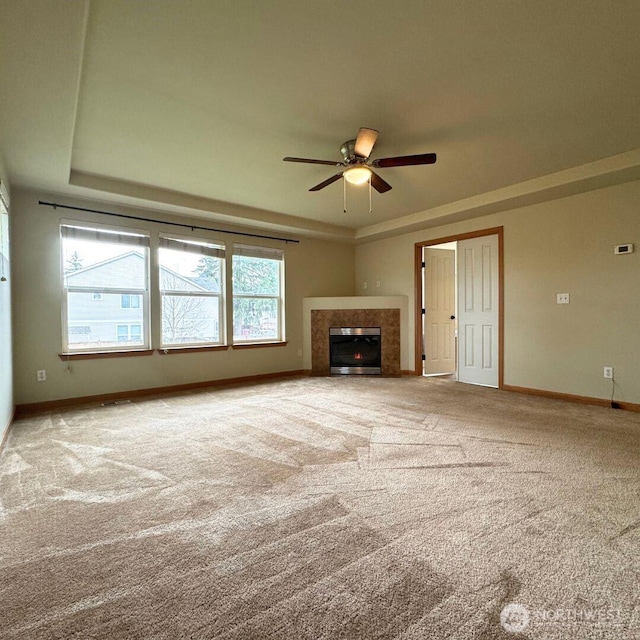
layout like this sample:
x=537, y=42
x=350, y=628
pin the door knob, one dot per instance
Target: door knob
x=453, y=317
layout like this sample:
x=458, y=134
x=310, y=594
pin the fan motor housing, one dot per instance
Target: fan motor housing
x=348, y=151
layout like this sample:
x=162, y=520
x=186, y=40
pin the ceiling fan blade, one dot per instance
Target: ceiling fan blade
x=379, y=184
x=331, y=163
x=365, y=141
x=327, y=182
x=403, y=161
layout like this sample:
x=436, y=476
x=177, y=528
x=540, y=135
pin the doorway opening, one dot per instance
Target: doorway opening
x=459, y=322
x=439, y=323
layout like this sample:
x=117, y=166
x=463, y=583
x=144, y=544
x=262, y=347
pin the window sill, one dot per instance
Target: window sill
x=166, y=351
x=258, y=345
x=94, y=355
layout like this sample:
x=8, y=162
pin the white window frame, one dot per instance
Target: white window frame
x=265, y=253
x=95, y=231
x=203, y=247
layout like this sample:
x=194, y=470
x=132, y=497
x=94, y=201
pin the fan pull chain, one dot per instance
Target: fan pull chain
x=344, y=204
x=370, y=208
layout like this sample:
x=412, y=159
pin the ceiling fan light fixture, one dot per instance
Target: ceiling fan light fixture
x=357, y=175
x=357, y=169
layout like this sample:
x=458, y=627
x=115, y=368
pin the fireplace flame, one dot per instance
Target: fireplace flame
x=358, y=356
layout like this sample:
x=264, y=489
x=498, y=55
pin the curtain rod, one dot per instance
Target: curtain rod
x=55, y=205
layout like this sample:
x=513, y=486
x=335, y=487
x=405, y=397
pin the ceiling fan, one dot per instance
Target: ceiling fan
x=357, y=168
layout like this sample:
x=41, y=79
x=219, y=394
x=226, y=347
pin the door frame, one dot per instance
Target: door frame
x=419, y=301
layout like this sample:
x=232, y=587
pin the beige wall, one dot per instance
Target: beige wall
x=562, y=246
x=6, y=369
x=313, y=268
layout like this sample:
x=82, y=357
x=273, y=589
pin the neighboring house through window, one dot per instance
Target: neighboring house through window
x=192, y=292
x=258, y=294
x=80, y=330
x=106, y=298
x=109, y=266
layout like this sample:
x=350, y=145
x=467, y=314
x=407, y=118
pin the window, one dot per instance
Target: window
x=135, y=332
x=258, y=274
x=100, y=269
x=129, y=333
x=127, y=301
x=191, y=289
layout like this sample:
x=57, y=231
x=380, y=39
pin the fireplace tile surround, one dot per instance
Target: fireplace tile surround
x=387, y=319
x=361, y=302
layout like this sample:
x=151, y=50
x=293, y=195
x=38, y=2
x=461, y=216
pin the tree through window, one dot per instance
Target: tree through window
x=191, y=288
x=258, y=274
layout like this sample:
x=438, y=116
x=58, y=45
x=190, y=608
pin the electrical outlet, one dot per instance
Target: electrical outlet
x=299, y=353
x=378, y=283
x=41, y=375
x=364, y=285
x=562, y=298
x=608, y=373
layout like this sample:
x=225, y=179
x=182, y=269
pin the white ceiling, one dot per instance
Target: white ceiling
x=192, y=105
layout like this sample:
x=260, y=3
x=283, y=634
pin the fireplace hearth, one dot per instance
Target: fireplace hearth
x=355, y=351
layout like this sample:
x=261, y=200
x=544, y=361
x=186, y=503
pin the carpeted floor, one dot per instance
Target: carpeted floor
x=321, y=508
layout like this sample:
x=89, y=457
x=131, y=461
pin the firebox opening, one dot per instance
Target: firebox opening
x=355, y=350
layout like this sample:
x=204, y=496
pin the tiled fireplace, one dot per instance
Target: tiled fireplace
x=387, y=320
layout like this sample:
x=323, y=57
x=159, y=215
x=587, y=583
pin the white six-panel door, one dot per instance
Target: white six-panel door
x=478, y=310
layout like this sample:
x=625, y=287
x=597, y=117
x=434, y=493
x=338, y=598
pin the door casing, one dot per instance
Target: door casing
x=418, y=292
